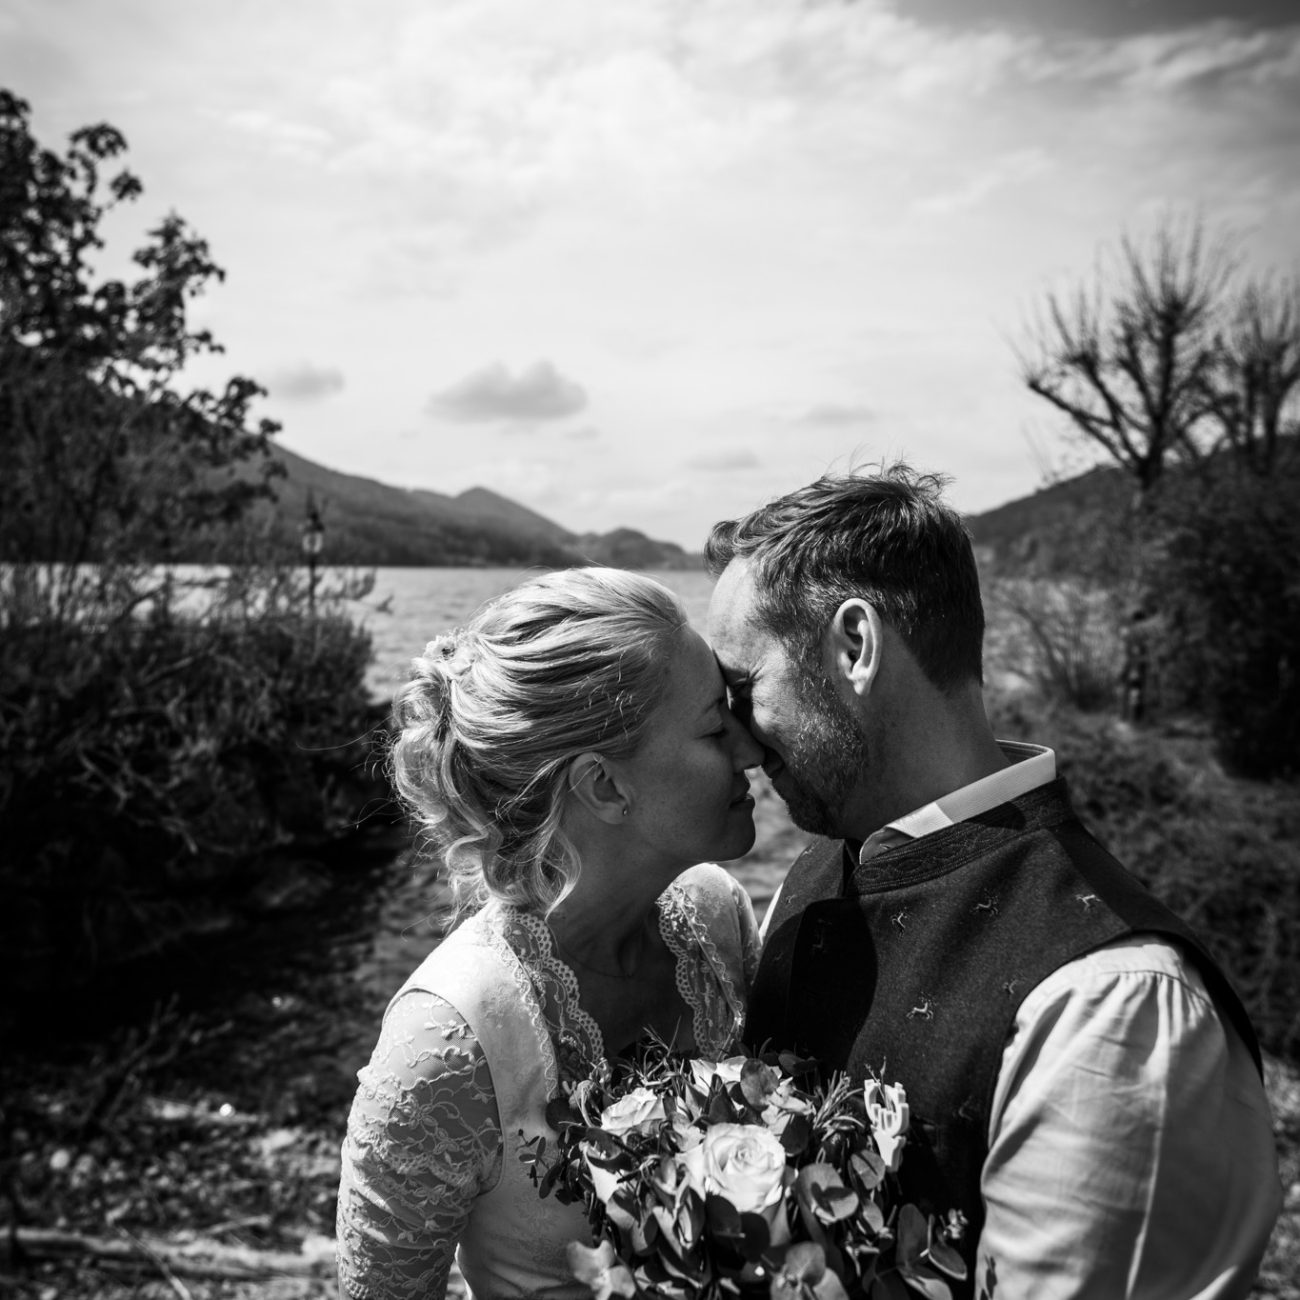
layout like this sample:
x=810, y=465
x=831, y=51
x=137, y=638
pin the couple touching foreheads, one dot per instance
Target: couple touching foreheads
x=1084, y=1084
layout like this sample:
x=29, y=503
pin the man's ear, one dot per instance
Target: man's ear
x=594, y=786
x=856, y=643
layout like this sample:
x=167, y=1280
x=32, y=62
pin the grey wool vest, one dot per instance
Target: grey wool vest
x=910, y=968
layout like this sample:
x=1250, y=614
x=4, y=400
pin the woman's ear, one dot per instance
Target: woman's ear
x=593, y=785
x=857, y=644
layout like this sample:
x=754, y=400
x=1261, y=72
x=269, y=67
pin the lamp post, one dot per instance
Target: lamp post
x=313, y=539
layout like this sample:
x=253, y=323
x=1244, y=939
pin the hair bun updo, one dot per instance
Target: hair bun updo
x=567, y=663
x=429, y=695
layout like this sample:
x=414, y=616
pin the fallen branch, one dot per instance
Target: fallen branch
x=168, y=1273
x=200, y=1259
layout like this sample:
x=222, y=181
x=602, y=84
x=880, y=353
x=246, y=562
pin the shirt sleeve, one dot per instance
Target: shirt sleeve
x=1131, y=1152
x=423, y=1140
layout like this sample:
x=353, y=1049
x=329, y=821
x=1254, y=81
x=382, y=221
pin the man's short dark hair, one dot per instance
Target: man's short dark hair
x=887, y=537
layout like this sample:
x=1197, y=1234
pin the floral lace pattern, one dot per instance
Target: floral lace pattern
x=578, y=1041
x=424, y=1135
x=423, y=1140
x=718, y=1009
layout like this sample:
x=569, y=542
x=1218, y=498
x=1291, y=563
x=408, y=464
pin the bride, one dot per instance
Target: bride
x=571, y=755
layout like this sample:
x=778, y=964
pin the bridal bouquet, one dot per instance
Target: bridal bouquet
x=719, y=1179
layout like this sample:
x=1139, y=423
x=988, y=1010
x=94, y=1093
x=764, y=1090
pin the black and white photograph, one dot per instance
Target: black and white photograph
x=650, y=649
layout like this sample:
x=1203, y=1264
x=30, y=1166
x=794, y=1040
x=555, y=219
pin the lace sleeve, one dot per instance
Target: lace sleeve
x=707, y=920
x=423, y=1140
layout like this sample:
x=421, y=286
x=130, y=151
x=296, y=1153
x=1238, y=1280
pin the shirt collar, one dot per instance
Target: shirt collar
x=1030, y=767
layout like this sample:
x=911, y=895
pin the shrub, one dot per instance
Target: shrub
x=156, y=759
x=1230, y=573
x=1059, y=634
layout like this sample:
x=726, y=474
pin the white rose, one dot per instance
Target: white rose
x=742, y=1162
x=889, y=1113
x=637, y=1112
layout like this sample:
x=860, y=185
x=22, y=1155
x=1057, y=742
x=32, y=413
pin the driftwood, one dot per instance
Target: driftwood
x=198, y=1259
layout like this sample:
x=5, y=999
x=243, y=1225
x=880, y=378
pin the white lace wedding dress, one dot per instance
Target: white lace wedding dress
x=471, y=1049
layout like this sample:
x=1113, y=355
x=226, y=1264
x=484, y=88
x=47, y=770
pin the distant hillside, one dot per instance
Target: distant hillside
x=371, y=523
x=1046, y=530
x=510, y=514
x=1037, y=531
x=625, y=548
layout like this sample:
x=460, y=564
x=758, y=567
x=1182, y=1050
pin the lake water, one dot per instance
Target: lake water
x=425, y=602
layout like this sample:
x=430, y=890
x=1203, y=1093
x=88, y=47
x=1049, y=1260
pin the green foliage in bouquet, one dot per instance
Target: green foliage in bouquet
x=740, y=1177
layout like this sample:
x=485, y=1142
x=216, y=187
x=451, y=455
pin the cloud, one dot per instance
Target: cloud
x=1204, y=56
x=538, y=392
x=584, y=433
x=279, y=134
x=996, y=173
x=305, y=382
x=724, y=461
x=836, y=414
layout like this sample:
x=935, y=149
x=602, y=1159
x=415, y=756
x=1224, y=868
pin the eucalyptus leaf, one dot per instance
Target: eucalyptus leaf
x=924, y=1281
x=868, y=1168
x=943, y=1255
x=913, y=1234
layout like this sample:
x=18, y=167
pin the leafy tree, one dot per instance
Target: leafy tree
x=112, y=457
x=159, y=742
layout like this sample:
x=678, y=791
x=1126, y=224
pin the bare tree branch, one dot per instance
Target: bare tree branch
x=1125, y=360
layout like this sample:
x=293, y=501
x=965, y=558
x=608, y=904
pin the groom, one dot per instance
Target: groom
x=1084, y=1084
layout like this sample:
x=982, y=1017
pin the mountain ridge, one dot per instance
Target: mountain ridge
x=368, y=522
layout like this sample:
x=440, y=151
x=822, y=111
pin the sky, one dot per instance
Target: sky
x=649, y=263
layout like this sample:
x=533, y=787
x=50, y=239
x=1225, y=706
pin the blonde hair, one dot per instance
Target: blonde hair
x=567, y=663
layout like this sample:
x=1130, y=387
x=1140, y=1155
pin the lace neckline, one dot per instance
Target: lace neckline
x=577, y=1035
x=578, y=1040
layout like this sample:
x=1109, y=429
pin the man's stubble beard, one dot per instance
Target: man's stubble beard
x=826, y=760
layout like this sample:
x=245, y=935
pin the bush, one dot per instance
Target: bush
x=1059, y=634
x=1230, y=574
x=156, y=759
